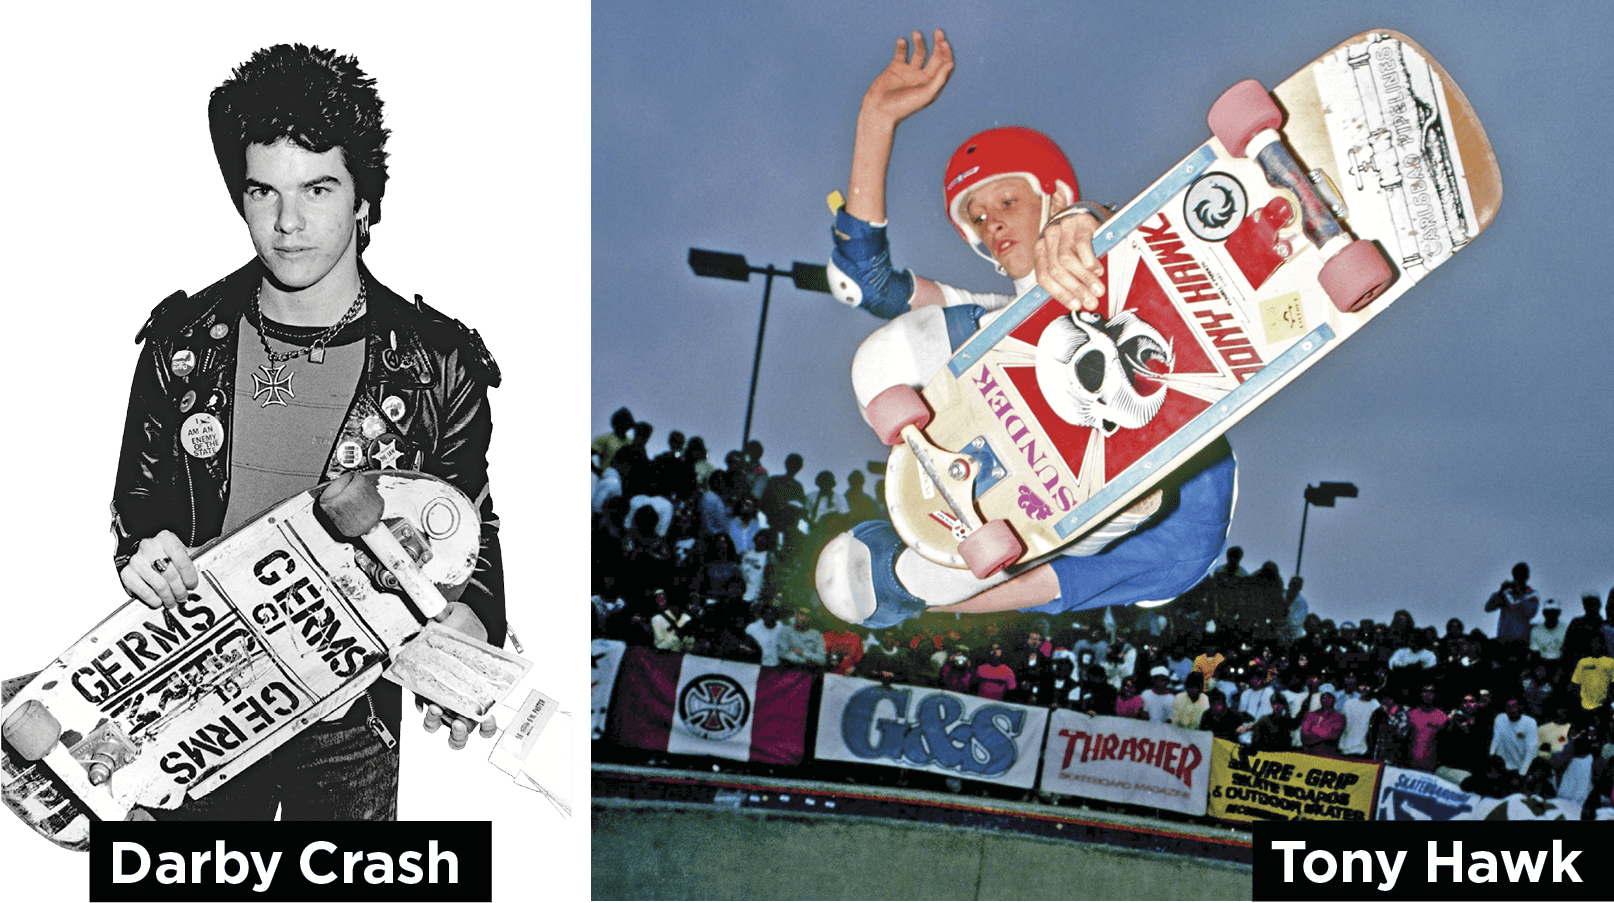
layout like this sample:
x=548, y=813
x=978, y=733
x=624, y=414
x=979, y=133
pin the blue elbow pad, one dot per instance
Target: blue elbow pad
x=860, y=271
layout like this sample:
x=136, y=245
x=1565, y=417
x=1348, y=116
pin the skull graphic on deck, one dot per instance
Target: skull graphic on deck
x=1088, y=369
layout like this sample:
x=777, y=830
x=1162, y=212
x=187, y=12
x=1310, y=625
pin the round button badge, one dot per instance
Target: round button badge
x=202, y=435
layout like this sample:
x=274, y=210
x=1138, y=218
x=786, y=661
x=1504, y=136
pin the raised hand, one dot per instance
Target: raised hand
x=912, y=80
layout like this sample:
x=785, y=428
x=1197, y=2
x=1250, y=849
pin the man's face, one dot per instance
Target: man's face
x=299, y=207
x=1007, y=216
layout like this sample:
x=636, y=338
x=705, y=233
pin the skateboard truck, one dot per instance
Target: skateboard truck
x=1247, y=122
x=898, y=415
x=103, y=751
x=409, y=540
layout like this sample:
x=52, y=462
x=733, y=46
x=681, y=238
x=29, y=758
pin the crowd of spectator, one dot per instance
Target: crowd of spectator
x=718, y=562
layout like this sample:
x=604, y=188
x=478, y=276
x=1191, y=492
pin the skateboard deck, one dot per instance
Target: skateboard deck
x=289, y=623
x=1053, y=423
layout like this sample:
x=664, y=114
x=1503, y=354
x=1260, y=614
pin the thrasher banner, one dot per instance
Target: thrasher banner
x=1125, y=760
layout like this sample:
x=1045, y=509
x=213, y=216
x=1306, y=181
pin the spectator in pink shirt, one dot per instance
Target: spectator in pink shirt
x=1130, y=703
x=1426, y=721
x=1321, y=728
x=994, y=679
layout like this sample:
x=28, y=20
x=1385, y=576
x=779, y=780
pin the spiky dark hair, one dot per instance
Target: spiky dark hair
x=314, y=97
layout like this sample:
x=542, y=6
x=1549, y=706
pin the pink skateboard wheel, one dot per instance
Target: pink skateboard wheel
x=1355, y=276
x=893, y=409
x=1240, y=113
x=991, y=548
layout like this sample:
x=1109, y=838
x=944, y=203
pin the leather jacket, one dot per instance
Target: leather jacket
x=436, y=366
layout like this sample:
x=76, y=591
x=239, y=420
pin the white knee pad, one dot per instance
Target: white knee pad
x=906, y=351
x=844, y=578
x=852, y=590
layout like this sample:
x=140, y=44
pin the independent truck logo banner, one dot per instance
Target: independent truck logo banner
x=698, y=706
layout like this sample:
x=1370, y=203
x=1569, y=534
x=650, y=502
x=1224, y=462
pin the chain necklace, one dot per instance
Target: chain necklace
x=271, y=382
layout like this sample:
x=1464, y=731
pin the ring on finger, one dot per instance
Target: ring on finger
x=161, y=564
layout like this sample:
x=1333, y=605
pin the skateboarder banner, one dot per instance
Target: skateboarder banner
x=932, y=730
x=1125, y=760
x=1409, y=795
x=698, y=706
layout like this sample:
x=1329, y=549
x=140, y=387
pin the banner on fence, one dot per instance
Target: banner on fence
x=918, y=727
x=1288, y=786
x=1409, y=795
x=1125, y=760
x=605, y=658
x=698, y=706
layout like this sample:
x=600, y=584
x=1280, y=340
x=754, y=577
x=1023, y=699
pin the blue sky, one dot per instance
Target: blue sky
x=1475, y=415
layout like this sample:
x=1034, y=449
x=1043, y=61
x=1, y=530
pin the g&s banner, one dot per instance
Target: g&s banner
x=918, y=727
x=1125, y=760
x=1289, y=786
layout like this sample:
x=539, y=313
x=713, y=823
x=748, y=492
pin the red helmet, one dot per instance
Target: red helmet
x=999, y=153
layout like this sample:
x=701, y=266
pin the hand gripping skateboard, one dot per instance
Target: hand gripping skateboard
x=1307, y=213
x=295, y=615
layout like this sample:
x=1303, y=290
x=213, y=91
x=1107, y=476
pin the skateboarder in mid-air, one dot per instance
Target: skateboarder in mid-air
x=1013, y=195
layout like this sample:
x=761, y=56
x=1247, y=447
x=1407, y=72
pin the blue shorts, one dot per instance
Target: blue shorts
x=1166, y=559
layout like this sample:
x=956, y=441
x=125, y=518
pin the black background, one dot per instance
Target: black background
x=1595, y=865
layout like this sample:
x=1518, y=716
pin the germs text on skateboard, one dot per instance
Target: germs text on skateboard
x=290, y=623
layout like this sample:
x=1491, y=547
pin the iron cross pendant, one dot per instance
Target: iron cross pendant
x=270, y=383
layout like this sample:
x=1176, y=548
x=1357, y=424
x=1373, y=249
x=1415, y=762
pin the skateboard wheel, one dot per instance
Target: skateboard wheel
x=1355, y=276
x=991, y=548
x=1240, y=113
x=32, y=730
x=893, y=409
x=352, y=503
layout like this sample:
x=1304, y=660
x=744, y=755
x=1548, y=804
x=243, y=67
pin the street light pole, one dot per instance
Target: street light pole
x=1322, y=495
x=756, y=360
x=723, y=265
x=1305, y=508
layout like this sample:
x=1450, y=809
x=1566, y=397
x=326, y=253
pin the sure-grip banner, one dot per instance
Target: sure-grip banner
x=1288, y=786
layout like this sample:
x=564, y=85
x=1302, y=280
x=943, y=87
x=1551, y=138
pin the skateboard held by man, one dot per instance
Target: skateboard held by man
x=295, y=614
